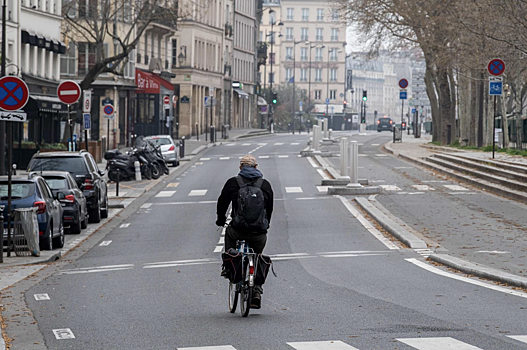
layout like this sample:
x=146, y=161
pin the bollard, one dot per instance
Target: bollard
x=137, y=171
x=212, y=134
x=354, y=162
x=330, y=131
x=182, y=148
x=316, y=137
x=117, y=182
x=344, y=145
x=325, y=126
x=197, y=131
x=14, y=169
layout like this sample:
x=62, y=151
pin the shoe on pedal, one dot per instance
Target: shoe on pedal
x=256, y=303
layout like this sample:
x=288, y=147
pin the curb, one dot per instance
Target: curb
x=391, y=226
x=479, y=270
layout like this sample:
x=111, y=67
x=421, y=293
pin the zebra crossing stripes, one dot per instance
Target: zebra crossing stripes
x=321, y=345
x=389, y=187
x=522, y=338
x=165, y=194
x=437, y=344
x=455, y=188
x=221, y=347
x=197, y=193
x=423, y=188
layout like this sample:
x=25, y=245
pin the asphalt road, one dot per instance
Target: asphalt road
x=153, y=282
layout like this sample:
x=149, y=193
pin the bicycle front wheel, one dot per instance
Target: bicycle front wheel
x=233, y=297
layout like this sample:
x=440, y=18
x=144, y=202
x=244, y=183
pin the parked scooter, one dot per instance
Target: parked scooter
x=157, y=163
x=121, y=166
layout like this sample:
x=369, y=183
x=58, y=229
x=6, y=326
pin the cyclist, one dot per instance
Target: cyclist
x=249, y=174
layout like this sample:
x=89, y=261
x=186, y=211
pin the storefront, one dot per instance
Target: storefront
x=151, y=114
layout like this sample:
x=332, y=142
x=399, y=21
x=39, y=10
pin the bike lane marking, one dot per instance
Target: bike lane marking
x=321, y=345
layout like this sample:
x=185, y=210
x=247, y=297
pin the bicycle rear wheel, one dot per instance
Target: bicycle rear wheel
x=233, y=297
x=246, y=295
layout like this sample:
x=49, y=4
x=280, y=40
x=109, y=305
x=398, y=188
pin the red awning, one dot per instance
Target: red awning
x=150, y=83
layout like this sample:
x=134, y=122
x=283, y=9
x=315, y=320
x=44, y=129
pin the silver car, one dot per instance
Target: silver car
x=169, y=148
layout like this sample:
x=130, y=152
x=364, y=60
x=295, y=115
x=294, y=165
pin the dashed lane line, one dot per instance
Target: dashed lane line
x=455, y=188
x=173, y=184
x=321, y=345
x=163, y=194
x=293, y=190
x=198, y=192
x=224, y=158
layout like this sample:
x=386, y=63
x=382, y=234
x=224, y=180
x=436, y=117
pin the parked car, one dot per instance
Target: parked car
x=169, y=148
x=34, y=192
x=73, y=201
x=384, y=124
x=87, y=175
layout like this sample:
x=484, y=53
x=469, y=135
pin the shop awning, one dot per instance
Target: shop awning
x=241, y=93
x=150, y=83
x=48, y=103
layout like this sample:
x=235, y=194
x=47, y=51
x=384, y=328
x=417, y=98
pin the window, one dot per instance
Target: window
x=303, y=74
x=333, y=74
x=334, y=34
x=320, y=14
x=333, y=54
x=305, y=14
x=288, y=74
x=318, y=54
x=289, y=34
x=69, y=8
x=318, y=74
x=271, y=77
x=174, y=53
x=67, y=61
x=86, y=59
x=303, y=54
x=320, y=34
x=304, y=35
x=318, y=94
x=290, y=14
x=272, y=58
x=334, y=15
x=289, y=53
x=87, y=8
x=332, y=94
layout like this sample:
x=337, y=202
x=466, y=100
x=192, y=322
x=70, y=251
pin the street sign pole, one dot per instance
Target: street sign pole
x=494, y=126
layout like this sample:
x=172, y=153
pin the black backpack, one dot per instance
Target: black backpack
x=251, y=215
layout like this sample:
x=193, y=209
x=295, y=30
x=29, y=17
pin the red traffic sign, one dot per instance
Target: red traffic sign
x=108, y=110
x=403, y=83
x=166, y=100
x=14, y=93
x=496, y=67
x=69, y=92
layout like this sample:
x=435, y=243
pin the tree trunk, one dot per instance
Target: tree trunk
x=445, y=108
x=432, y=97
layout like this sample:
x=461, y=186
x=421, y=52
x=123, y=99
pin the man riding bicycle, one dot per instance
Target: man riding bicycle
x=254, y=233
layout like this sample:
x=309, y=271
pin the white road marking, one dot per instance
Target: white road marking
x=423, y=188
x=230, y=144
x=288, y=254
x=321, y=345
x=323, y=189
x=279, y=144
x=218, y=249
x=455, y=188
x=377, y=181
x=220, y=347
x=165, y=194
x=410, y=193
x=295, y=144
x=437, y=271
x=293, y=189
x=424, y=252
x=522, y=338
x=197, y=192
x=462, y=193
x=185, y=203
x=40, y=297
x=173, y=184
x=381, y=155
x=246, y=144
x=204, y=159
x=96, y=269
x=124, y=225
x=375, y=144
x=222, y=240
x=105, y=243
x=224, y=158
x=312, y=162
x=363, y=155
x=433, y=181
x=181, y=261
x=63, y=333
x=146, y=205
x=199, y=163
x=177, y=264
x=389, y=187
x=262, y=144
x=349, y=255
x=367, y=225
x=263, y=157
x=402, y=167
x=493, y=252
x=283, y=156
x=437, y=344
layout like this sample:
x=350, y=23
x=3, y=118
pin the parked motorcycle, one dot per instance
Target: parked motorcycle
x=121, y=166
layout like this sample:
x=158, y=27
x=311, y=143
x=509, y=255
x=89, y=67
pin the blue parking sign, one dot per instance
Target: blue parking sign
x=87, y=121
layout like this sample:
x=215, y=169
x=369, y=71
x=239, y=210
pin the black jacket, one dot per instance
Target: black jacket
x=230, y=192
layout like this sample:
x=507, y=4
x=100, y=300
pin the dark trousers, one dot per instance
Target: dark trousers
x=257, y=243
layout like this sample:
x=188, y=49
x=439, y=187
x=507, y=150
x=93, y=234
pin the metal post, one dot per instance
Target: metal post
x=197, y=131
x=343, y=157
x=206, y=124
x=9, y=187
x=2, y=226
x=326, y=128
x=85, y=138
x=2, y=123
x=182, y=148
x=70, y=121
x=211, y=117
x=354, y=162
x=327, y=91
x=117, y=182
x=309, y=86
x=494, y=127
x=402, y=112
x=294, y=94
x=108, y=135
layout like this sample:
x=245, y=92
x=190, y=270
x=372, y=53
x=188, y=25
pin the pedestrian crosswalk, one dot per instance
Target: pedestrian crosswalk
x=432, y=343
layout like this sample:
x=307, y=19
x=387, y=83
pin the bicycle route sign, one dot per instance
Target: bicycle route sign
x=495, y=86
x=496, y=67
x=403, y=83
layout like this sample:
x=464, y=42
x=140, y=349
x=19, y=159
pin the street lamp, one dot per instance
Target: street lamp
x=309, y=84
x=327, y=86
x=270, y=113
x=294, y=86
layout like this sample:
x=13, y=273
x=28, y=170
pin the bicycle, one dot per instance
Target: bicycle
x=243, y=290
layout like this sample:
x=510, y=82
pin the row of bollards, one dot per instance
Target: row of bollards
x=349, y=160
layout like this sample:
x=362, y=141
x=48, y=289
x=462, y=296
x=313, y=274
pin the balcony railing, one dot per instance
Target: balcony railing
x=303, y=58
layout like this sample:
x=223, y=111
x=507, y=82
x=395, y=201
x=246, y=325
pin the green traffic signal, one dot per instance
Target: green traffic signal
x=274, y=101
x=365, y=95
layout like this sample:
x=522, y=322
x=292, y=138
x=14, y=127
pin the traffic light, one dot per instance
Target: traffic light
x=344, y=103
x=365, y=95
x=275, y=97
